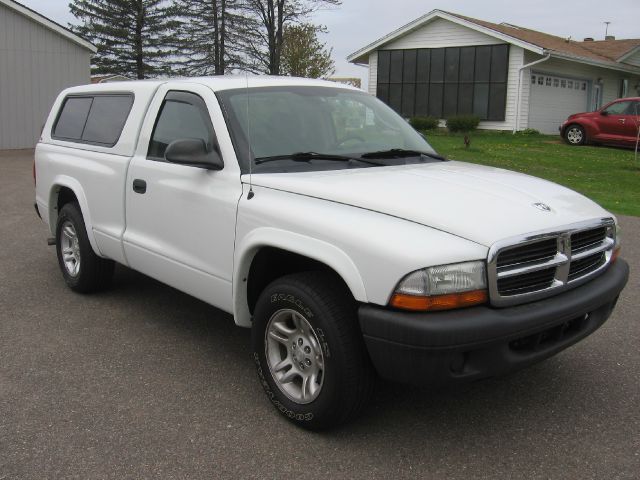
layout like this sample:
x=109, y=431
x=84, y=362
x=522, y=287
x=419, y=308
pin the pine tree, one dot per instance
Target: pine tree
x=135, y=38
x=209, y=36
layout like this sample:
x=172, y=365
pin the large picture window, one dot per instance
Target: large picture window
x=445, y=81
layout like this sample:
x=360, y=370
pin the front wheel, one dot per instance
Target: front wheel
x=575, y=135
x=309, y=351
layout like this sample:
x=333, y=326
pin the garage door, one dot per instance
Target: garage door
x=553, y=99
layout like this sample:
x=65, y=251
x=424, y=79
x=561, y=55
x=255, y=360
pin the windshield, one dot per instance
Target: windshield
x=289, y=120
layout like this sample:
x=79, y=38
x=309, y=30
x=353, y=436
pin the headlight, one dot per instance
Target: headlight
x=442, y=288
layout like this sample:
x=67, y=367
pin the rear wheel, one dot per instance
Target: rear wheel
x=575, y=135
x=309, y=351
x=82, y=269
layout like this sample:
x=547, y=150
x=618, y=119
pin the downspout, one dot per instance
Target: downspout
x=517, y=126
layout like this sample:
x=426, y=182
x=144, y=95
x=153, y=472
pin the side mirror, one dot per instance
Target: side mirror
x=604, y=113
x=194, y=152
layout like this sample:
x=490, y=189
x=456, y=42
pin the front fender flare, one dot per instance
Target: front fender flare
x=318, y=250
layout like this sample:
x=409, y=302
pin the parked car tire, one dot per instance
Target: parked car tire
x=309, y=351
x=82, y=269
x=574, y=134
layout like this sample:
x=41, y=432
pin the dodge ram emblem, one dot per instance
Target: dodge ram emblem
x=542, y=206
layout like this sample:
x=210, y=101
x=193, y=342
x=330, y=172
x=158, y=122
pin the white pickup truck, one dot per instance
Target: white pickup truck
x=318, y=217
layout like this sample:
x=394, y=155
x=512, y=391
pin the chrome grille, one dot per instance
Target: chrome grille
x=532, y=282
x=527, y=268
x=586, y=239
x=586, y=265
x=531, y=252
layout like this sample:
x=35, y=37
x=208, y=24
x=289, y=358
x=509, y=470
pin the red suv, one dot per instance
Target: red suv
x=616, y=123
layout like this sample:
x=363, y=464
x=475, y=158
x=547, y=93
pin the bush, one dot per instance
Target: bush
x=424, y=123
x=529, y=131
x=462, y=123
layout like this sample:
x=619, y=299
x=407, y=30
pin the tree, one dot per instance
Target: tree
x=210, y=36
x=134, y=38
x=303, y=55
x=264, y=40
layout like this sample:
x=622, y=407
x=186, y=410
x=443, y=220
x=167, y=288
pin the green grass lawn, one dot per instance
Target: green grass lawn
x=610, y=176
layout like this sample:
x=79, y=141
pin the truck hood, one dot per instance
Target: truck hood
x=481, y=204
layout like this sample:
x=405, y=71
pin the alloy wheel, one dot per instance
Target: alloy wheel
x=294, y=356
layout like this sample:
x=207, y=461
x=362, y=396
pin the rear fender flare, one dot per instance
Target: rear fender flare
x=72, y=184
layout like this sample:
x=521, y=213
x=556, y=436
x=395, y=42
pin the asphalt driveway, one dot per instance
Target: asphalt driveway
x=143, y=381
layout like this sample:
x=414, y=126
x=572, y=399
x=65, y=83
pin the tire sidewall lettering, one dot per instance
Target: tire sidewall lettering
x=301, y=417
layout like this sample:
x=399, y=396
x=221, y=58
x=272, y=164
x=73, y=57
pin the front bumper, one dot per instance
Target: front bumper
x=469, y=344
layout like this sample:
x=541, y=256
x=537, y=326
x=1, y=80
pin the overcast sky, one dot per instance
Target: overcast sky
x=359, y=22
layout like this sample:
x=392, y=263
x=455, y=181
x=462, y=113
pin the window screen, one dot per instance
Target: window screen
x=499, y=63
x=451, y=64
x=424, y=63
x=437, y=65
x=409, y=74
x=384, y=59
x=467, y=63
x=446, y=81
x=422, y=99
x=182, y=116
x=395, y=73
x=97, y=119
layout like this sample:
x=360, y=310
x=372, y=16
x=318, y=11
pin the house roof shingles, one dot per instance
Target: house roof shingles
x=602, y=50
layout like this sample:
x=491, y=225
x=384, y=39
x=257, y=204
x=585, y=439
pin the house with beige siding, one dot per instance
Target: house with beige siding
x=38, y=59
x=512, y=77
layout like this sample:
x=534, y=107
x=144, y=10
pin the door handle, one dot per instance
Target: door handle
x=139, y=186
x=621, y=120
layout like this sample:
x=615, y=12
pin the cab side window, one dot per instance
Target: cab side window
x=183, y=115
x=619, y=108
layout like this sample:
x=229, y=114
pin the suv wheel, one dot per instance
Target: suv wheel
x=82, y=269
x=575, y=135
x=309, y=351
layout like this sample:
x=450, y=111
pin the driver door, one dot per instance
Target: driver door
x=180, y=219
x=612, y=122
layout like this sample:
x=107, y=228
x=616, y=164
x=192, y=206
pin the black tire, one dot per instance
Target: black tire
x=575, y=135
x=93, y=273
x=348, y=376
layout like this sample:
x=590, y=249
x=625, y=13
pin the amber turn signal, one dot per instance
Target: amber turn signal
x=615, y=254
x=439, y=302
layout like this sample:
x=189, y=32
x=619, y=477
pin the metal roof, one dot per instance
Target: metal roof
x=47, y=23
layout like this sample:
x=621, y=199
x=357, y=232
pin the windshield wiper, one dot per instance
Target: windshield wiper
x=307, y=156
x=401, y=153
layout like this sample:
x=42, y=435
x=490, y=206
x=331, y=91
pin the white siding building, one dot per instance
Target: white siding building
x=38, y=59
x=513, y=78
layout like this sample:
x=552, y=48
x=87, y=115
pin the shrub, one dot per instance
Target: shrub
x=462, y=123
x=529, y=131
x=424, y=123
